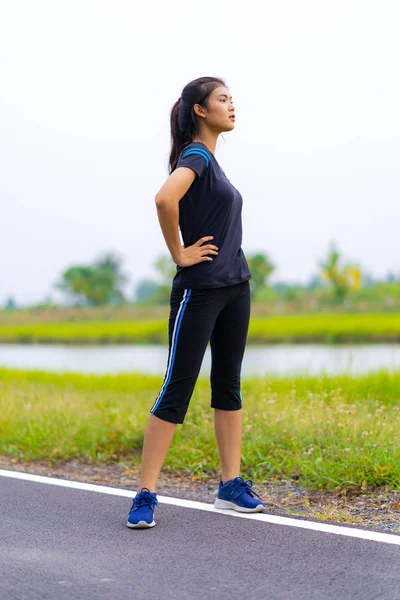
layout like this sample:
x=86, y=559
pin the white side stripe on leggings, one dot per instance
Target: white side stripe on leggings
x=171, y=355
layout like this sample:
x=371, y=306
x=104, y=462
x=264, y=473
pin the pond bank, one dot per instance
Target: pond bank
x=357, y=328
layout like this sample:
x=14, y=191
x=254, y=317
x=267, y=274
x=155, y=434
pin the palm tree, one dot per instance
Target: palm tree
x=343, y=279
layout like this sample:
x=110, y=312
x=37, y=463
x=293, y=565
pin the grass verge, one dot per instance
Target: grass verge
x=326, y=432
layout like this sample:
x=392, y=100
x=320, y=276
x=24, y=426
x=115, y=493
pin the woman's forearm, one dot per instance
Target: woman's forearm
x=168, y=216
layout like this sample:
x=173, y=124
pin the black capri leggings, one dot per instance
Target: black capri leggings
x=198, y=316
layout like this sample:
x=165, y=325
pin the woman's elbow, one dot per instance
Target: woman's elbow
x=163, y=201
x=159, y=199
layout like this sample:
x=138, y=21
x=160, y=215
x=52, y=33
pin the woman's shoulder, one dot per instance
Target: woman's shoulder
x=196, y=148
x=198, y=145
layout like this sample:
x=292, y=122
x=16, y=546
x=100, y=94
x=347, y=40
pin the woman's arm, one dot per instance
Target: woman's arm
x=167, y=203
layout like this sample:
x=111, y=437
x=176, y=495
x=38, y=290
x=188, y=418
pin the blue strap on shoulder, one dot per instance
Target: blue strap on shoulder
x=199, y=151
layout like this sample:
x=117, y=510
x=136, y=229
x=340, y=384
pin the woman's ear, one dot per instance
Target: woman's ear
x=199, y=110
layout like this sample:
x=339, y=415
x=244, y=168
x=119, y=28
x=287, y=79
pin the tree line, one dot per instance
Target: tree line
x=336, y=281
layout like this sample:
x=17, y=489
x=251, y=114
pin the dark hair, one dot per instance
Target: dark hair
x=184, y=122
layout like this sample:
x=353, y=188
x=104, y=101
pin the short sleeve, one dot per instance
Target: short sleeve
x=195, y=158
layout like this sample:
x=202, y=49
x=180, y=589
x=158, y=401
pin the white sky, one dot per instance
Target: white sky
x=86, y=89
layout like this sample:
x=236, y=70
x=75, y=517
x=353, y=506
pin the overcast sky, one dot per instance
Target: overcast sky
x=86, y=89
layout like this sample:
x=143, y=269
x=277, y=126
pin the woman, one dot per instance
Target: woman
x=210, y=296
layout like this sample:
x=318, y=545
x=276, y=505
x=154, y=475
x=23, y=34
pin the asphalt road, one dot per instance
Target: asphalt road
x=65, y=544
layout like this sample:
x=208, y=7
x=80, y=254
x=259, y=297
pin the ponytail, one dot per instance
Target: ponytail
x=185, y=124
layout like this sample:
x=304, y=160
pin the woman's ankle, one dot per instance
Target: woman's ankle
x=151, y=487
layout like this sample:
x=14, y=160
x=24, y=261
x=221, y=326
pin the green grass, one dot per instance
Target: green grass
x=324, y=431
x=296, y=328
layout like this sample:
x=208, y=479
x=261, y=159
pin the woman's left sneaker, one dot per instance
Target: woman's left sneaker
x=238, y=495
x=141, y=514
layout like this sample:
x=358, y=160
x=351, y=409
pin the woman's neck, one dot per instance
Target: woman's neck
x=208, y=140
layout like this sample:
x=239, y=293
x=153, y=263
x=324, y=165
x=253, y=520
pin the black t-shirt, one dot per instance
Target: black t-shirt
x=211, y=206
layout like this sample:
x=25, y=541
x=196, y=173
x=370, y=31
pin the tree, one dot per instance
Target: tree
x=95, y=285
x=313, y=283
x=391, y=277
x=145, y=289
x=166, y=268
x=10, y=304
x=369, y=280
x=261, y=268
x=342, y=279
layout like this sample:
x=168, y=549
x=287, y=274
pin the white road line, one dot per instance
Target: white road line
x=373, y=536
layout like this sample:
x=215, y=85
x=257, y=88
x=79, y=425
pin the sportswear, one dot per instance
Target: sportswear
x=198, y=316
x=141, y=514
x=211, y=206
x=238, y=495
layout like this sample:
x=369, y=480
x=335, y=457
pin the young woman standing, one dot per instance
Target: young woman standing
x=210, y=296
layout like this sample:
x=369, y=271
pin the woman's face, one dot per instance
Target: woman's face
x=221, y=111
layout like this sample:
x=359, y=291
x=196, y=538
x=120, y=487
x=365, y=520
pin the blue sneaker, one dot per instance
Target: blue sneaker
x=238, y=495
x=141, y=514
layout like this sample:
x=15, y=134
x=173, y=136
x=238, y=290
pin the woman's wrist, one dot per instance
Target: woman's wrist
x=176, y=256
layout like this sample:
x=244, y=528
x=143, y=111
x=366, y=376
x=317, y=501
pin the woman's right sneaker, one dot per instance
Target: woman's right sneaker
x=141, y=514
x=238, y=495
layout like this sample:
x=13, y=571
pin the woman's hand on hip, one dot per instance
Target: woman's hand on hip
x=196, y=253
